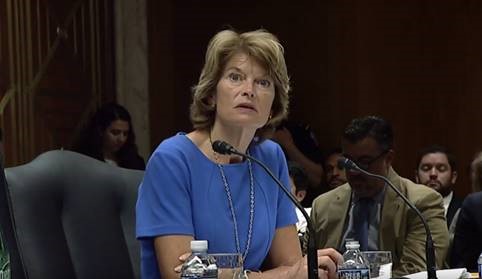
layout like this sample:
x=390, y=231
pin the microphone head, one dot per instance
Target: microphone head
x=222, y=147
x=345, y=163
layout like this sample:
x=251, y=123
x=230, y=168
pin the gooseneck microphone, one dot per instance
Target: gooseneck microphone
x=222, y=147
x=429, y=248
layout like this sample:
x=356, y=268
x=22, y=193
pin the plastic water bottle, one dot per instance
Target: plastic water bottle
x=199, y=264
x=479, y=265
x=354, y=266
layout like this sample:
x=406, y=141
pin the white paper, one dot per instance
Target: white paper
x=385, y=272
x=441, y=274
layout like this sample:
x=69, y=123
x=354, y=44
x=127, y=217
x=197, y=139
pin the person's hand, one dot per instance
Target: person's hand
x=182, y=258
x=300, y=270
x=283, y=137
x=328, y=261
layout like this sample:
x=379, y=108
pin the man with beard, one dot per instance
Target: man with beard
x=334, y=174
x=436, y=168
x=369, y=211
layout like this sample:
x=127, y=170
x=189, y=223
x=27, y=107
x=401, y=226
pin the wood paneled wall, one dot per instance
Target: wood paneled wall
x=415, y=63
x=56, y=66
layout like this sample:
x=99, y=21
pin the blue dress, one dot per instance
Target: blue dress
x=182, y=193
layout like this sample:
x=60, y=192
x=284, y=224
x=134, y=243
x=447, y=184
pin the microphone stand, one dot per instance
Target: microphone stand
x=311, y=253
x=429, y=247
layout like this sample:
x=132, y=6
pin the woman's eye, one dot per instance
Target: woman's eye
x=234, y=77
x=115, y=132
x=264, y=83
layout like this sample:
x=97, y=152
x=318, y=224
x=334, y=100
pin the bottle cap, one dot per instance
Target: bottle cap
x=199, y=245
x=352, y=244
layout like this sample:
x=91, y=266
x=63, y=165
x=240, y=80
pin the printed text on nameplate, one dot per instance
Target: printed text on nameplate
x=356, y=273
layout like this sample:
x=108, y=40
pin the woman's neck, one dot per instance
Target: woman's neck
x=239, y=138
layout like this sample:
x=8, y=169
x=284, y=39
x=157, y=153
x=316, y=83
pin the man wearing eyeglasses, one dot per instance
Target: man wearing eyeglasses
x=367, y=210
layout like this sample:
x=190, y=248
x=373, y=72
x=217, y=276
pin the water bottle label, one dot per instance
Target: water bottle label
x=197, y=268
x=197, y=276
x=356, y=273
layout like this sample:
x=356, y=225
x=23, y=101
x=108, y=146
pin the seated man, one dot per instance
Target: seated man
x=335, y=176
x=437, y=169
x=369, y=211
x=467, y=244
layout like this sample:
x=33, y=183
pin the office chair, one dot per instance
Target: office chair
x=66, y=215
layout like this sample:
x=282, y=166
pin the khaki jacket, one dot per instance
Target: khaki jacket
x=401, y=231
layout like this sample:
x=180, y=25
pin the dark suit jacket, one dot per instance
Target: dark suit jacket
x=468, y=233
x=454, y=205
x=401, y=230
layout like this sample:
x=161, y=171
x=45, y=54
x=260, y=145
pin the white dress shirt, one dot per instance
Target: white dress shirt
x=447, y=199
x=302, y=224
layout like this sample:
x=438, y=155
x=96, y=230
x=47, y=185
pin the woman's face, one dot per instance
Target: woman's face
x=115, y=136
x=244, y=93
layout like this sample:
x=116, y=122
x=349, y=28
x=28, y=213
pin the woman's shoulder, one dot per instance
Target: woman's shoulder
x=268, y=148
x=177, y=141
x=177, y=145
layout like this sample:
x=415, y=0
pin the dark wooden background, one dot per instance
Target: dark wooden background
x=415, y=63
x=57, y=63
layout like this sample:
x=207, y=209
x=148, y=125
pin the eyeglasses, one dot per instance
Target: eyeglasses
x=365, y=164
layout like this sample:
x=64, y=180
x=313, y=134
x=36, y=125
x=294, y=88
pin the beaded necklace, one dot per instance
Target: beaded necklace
x=231, y=205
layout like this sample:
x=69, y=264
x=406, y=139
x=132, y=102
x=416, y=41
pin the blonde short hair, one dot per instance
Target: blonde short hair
x=261, y=45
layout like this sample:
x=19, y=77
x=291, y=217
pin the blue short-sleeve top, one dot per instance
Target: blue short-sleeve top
x=182, y=193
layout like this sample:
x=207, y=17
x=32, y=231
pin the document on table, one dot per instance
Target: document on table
x=455, y=273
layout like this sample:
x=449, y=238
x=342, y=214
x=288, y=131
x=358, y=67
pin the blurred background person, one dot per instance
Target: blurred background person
x=299, y=185
x=476, y=172
x=334, y=175
x=2, y=153
x=467, y=244
x=437, y=169
x=300, y=145
x=4, y=259
x=1, y=142
x=109, y=137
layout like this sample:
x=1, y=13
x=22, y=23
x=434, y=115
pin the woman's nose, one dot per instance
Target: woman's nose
x=248, y=89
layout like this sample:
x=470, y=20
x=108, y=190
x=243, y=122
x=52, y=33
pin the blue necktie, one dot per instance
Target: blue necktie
x=361, y=213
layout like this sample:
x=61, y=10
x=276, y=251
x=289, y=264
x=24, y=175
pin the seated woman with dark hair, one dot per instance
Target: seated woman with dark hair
x=109, y=137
